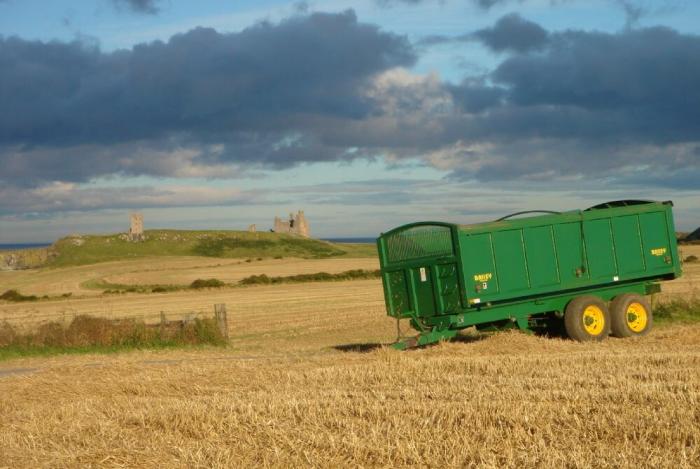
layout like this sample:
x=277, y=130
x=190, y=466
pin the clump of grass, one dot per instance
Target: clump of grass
x=93, y=334
x=678, y=311
x=15, y=296
x=207, y=283
x=691, y=258
x=354, y=274
x=118, y=288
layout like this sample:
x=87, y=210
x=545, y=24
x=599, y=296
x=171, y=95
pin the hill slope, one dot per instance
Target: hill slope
x=79, y=250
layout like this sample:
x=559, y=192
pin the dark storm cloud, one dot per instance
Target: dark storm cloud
x=513, y=33
x=200, y=81
x=639, y=83
x=139, y=6
x=474, y=95
x=252, y=91
x=612, y=106
x=586, y=102
x=561, y=106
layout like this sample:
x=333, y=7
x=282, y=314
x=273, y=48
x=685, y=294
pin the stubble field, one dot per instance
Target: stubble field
x=307, y=382
x=82, y=280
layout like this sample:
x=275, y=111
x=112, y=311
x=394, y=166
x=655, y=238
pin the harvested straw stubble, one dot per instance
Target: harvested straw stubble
x=507, y=400
x=285, y=395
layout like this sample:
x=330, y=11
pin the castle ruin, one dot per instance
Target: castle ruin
x=136, y=229
x=296, y=225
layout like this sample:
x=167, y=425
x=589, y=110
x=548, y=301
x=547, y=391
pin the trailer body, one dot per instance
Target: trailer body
x=514, y=272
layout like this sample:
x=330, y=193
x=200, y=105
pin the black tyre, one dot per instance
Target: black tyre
x=630, y=315
x=587, y=319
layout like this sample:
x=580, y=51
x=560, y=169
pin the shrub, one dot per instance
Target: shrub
x=207, y=283
x=678, y=310
x=8, y=335
x=52, y=333
x=14, y=295
x=317, y=277
x=256, y=279
x=85, y=332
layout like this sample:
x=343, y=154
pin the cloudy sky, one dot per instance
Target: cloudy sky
x=366, y=114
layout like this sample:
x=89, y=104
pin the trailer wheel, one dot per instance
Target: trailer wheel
x=587, y=319
x=630, y=315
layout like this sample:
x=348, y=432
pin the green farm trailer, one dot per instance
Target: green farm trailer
x=588, y=269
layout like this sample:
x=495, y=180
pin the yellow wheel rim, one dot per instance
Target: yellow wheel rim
x=593, y=320
x=637, y=317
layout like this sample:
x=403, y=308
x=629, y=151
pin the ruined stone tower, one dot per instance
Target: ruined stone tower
x=296, y=225
x=136, y=229
x=301, y=225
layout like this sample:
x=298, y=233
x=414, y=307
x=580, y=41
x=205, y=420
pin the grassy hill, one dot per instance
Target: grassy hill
x=79, y=250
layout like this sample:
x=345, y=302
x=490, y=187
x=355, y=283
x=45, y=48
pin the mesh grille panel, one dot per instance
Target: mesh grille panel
x=419, y=242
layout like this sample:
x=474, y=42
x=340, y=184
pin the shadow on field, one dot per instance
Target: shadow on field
x=358, y=348
x=469, y=338
x=368, y=347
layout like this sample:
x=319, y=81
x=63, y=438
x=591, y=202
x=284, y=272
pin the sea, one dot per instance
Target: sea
x=351, y=240
x=13, y=247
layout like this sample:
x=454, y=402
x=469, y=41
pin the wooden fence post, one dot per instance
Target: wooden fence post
x=221, y=318
x=163, y=325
